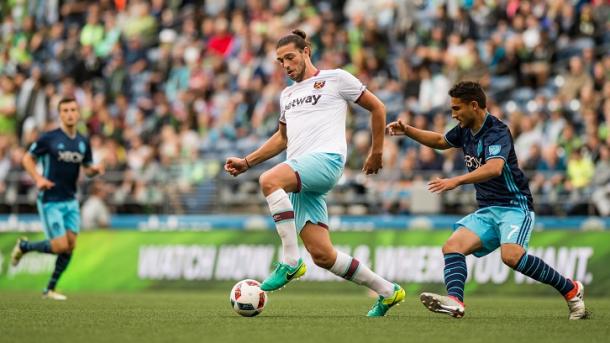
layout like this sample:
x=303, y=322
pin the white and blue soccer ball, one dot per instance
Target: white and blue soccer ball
x=247, y=298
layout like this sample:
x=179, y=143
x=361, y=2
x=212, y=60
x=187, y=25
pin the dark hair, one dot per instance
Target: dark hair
x=297, y=37
x=468, y=91
x=64, y=101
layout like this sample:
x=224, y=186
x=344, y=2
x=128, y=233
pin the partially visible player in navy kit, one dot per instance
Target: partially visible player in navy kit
x=505, y=217
x=62, y=152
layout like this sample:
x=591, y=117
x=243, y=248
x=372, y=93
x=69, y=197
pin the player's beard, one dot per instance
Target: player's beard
x=301, y=74
x=469, y=123
x=465, y=121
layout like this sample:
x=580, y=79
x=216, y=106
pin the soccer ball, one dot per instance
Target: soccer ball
x=247, y=298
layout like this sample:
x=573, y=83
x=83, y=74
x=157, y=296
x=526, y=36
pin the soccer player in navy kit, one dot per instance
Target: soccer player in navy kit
x=62, y=152
x=505, y=217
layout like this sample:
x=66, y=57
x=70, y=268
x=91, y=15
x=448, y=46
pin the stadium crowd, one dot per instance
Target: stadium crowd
x=169, y=89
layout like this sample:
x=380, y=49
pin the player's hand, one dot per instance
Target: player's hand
x=235, y=166
x=98, y=169
x=44, y=184
x=373, y=163
x=439, y=185
x=396, y=128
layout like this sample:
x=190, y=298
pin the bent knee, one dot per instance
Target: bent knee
x=453, y=246
x=511, y=257
x=264, y=179
x=323, y=258
x=267, y=182
x=62, y=249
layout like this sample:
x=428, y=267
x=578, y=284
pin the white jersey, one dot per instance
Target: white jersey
x=315, y=110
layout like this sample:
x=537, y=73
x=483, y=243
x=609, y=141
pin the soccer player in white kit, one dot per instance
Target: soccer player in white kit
x=312, y=129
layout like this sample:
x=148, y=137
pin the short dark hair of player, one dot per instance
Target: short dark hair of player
x=298, y=37
x=64, y=101
x=468, y=91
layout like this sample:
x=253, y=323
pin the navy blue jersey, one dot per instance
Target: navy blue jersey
x=493, y=141
x=61, y=158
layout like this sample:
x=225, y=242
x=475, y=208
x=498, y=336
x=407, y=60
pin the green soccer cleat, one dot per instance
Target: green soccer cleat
x=381, y=307
x=283, y=274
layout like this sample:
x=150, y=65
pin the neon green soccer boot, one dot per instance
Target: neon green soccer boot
x=381, y=307
x=283, y=274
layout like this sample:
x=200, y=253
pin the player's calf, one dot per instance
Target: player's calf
x=351, y=269
x=23, y=246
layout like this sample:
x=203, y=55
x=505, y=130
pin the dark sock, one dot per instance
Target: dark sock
x=40, y=246
x=538, y=270
x=455, y=274
x=60, y=265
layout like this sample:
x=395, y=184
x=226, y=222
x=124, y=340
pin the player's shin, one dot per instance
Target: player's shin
x=60, y=266
x=283, y=215
x=455, y=273
x=351, y=269
x=43, y=246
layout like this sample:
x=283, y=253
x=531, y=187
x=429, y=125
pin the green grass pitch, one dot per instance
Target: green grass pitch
x=295, y=314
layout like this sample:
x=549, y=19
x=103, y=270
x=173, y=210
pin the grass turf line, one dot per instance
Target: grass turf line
x=332, y=317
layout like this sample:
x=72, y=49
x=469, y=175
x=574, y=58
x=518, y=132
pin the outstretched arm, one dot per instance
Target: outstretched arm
x=434, y=140
x=370, y=102
x=492, y=168
x=273, y=146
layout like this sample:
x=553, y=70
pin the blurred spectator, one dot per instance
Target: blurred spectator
x=8, y=106
x=601, y=182
x=5, y=162
x=580, y=170
x=574, y=80
x=433, y=90
x=552, y=161
x=93, y=32
x=95, y=213
x=554, y=126
x=32, y=102
x=429, y=160
x=534, y=158
x=531, y=134
x=359, y=152
x=569, y=141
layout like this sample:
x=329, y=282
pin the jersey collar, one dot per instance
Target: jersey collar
x=314, y=75
x=67, y=135
x=486, y=122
